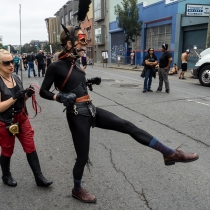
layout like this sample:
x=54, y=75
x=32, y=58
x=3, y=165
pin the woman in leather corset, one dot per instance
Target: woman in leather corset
x=82, y=114
x=14, y=122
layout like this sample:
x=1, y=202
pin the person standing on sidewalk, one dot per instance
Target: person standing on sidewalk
x=132, y=55
x=151, y=61
x=17, y=63
x=184, y=59
x=14, y=122
x=164, y=67
x=30, y=59
x=40, y=62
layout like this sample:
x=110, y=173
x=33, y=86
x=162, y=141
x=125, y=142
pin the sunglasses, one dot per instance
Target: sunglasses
x=82, y=39
x=7, y=63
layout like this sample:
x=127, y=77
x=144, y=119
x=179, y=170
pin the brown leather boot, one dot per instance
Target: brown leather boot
x=83, y=196
x=180, y=156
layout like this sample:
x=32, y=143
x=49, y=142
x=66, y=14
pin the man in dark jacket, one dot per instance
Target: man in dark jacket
x=164, y=67
x=40, y=62
x=30, y=59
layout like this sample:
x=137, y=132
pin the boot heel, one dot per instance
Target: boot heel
x=169, y=163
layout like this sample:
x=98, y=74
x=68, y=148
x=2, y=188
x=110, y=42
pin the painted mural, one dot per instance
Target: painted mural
x=118, y=50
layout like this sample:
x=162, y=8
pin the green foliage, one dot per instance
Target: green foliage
x=1, y=46
x=26, y=48
x=55, y=46
x=128, y=19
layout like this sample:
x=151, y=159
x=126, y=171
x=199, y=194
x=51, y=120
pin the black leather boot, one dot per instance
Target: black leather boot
x=7, y=176
x=35, y=166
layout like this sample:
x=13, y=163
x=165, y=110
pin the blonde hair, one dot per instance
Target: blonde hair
x=4, y=52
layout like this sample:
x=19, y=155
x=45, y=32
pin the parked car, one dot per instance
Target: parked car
x=201, y=70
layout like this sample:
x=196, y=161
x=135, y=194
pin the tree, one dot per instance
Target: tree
x=1, y=46
x=55, y=46
x=128, y=19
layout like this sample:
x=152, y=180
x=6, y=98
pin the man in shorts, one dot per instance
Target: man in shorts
x=184, y=59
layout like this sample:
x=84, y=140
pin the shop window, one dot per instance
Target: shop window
x=156, y=36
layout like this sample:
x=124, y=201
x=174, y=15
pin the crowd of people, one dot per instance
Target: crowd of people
x=41, y=59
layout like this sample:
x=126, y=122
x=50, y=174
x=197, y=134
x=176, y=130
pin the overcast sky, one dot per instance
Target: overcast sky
x=33, y=14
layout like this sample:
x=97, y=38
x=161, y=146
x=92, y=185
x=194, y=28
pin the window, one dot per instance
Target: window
x=156, y=36
x=62, y=21
x=66, y=20
x=71, y=17
x=98, y=9
x=98, y=35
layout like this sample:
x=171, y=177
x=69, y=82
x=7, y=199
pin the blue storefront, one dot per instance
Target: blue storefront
x=167, y=21
x=158, y=27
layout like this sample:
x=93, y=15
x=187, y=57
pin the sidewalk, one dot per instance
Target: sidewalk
x=133, y=68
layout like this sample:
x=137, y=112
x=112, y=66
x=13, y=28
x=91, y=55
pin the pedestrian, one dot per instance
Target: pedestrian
x=14, y=122
x=164, y=66
x=150, y=62
x=40, y=62
x=16, y=63
x=81, y=114
x=25, y=63
x=48, y=59
x=174, y=70
x=184, y=59
x=84, y=60
x=118, y=60
x=132, y=55
x=30, y=59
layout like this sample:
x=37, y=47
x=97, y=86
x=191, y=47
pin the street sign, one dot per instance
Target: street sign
x=197, y=10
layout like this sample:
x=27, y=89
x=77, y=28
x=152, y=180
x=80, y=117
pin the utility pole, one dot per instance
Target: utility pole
x=20, y=45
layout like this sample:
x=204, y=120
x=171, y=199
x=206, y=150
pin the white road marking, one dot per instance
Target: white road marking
x=199, y=102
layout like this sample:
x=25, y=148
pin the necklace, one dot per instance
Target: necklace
x=8, y=80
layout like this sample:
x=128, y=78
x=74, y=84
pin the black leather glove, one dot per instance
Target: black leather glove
x=68, y=99
x=19, y=94
x=95, y=80
x=30, y=92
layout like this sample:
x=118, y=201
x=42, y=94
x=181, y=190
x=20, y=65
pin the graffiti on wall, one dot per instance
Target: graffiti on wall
x=118, y=50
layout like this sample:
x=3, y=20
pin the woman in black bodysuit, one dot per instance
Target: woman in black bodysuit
x=81, y=113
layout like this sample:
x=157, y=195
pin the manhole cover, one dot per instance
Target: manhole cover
x=126, y=85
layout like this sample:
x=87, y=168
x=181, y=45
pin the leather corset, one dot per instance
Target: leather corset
x=7, y=115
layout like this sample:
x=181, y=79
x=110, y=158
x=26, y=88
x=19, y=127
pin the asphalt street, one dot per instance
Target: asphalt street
x=125, y=175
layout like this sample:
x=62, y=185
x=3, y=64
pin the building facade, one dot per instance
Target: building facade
x=67, y=15
x=177, y=23
x=101, y=12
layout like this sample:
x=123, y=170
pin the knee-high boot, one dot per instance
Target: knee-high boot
x=7, y=176
x=35, y=166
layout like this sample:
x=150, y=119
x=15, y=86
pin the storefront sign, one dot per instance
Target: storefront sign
x=170, y=1
x=197, y=10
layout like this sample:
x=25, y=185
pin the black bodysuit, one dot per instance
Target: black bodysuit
x=80, y=125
